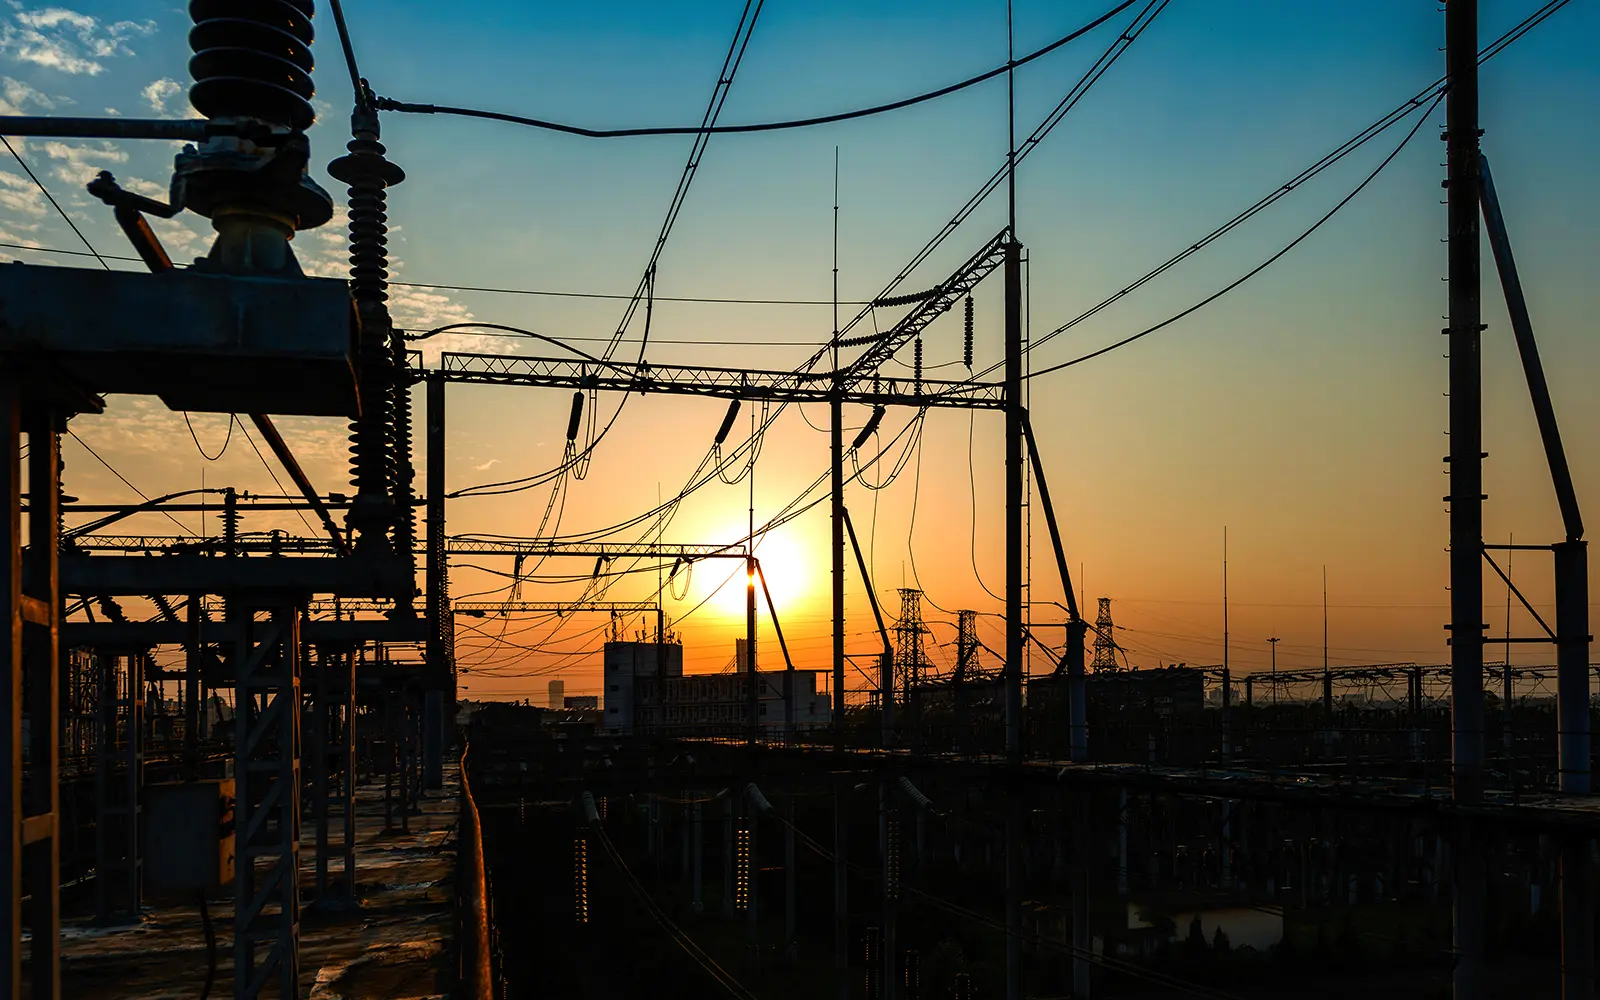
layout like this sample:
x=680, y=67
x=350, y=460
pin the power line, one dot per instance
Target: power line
x=1361, y=138
x=274, y=475
x=52, y=199
x=386, y=104
x=542, y=292
x=1224, y=290
x=125, y=481
x=704, y=299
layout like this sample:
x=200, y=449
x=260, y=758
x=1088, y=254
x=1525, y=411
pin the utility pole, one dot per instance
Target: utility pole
x=836, y=459
x=1466, y=478
x=1274, y=643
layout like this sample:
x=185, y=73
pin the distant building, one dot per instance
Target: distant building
x=557, y=694
x=641, y=698
x=581, y=703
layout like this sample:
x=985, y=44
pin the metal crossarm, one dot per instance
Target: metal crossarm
x=721, y=383
x=944, y=297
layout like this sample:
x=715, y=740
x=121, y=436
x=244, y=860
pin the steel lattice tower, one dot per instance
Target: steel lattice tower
x=908, y=658
x=1105, y=647
x=966, y=645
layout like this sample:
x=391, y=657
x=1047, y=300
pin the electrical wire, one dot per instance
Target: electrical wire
x=1074, y=95
x=1224, y=290
x=266, y=465
x=705, y=128
x=225, y=441
x=52, y=199
x=129, y=485
x=349, y=55
x=1383, y=123
x=722, y=977
x=972, y=493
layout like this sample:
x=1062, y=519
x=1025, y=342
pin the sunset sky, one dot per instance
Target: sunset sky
x=1304, y=412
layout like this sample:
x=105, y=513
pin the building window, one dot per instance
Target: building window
x=612, y=710
x=614, y=689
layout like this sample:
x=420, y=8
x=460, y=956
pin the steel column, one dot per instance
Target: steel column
x=1014, y=500
x=1466, y=480
x=266, y=656
x=836, y=554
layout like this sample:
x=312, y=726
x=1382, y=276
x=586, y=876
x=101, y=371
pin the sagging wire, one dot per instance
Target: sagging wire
x=232, y=419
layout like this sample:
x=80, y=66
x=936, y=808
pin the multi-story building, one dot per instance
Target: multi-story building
x=639, y=698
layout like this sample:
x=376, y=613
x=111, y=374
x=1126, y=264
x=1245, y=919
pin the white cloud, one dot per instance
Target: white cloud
x=150, y=189
x=157, y=91
x=80, y=163
x=66, y=40
x=18, y=98
x=20, y=195
x=485, y=467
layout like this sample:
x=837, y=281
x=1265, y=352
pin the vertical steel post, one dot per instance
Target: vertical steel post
x=1466, y=480
x=1572, y=664
x=266, y=655
x=192, y=658
x=791, y=944
x=729, y=876
x=841, y=885
x=836, y=551
x=317, y=759
x=1077, y=691
x=1227, y=717
x=753, y=704
x=441, y=661
x=39, y=821
x=1014, y=877
x=889, y=862
x=11, y=768
x=1014, y=498
x=696, y=855
x=1082, y=945
x=1572, y=706
x=1466, y=431
x=345, y=801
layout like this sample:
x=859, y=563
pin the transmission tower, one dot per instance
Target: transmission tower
x=1105, y=647
x=966, y=645
x=908, y=658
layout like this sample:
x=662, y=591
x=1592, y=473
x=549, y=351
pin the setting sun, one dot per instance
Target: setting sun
x=788, y=575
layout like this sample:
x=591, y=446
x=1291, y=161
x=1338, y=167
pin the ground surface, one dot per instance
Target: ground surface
x=394, y=945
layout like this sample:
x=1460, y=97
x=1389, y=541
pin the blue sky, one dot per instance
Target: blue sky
x=1304, y=410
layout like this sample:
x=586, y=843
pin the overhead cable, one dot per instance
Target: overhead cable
x=705, y=128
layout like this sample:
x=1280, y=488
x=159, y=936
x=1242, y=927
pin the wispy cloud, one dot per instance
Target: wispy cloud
x=156, y=92
x=66, y=40
x=485, y=467
x=78, y=163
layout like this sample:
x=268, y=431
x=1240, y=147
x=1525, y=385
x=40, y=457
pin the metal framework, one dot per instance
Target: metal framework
x=266, y=659
x=719, y=383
